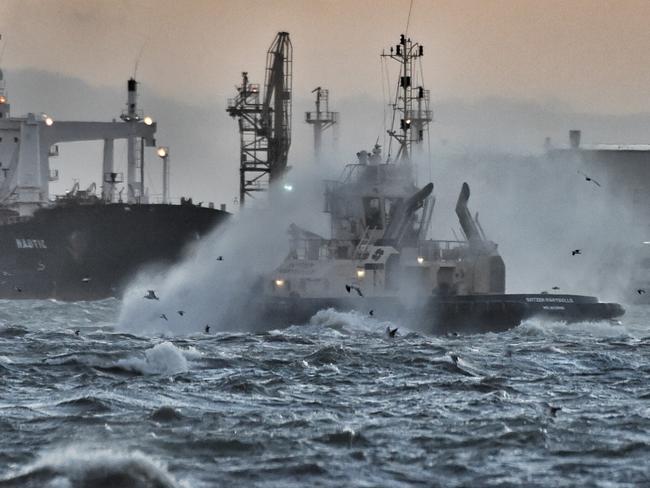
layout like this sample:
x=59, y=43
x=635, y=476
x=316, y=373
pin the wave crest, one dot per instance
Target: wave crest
x=80, y=466
x=164, y=359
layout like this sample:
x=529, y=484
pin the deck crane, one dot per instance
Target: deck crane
x=264, y=126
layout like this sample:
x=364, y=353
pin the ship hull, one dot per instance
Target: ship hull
x=91, y=251
x=441, y=315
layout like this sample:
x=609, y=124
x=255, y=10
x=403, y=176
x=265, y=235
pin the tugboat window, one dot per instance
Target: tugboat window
x=372, y=208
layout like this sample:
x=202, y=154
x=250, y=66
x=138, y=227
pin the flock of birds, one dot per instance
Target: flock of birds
x=151, y=295
x=575, y=252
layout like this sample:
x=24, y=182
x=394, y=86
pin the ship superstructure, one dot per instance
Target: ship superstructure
x=82, y=245
x=29, y=142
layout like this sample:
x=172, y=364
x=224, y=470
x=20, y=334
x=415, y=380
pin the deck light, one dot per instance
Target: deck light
x=420, y=260
x=361, y=273
x=148, y=120
x=279, y=283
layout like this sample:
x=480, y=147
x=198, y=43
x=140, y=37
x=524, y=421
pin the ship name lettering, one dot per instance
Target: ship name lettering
x=549, y=299
x=31, y=244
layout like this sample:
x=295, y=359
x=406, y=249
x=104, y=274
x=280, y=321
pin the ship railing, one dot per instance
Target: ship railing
x=330, y=191
x=14, y=219
x=316, y=248
x=128, y=116
x=442, y=250
x=323, y=116
x=376, y=172
x=361, y=251
x=157, y=199
x=419, y=115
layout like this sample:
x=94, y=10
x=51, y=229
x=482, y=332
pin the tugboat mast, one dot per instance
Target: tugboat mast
x=413, y=122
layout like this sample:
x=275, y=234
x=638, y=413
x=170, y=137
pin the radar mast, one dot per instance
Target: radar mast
x=411, y=102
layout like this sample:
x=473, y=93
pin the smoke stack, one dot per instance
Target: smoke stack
x=574, y=139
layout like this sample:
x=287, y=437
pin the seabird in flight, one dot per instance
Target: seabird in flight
x=348, y=288
x=151, y=295
x=588, y=178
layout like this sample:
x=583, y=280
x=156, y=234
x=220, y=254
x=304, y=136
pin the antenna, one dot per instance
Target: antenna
x=138, y=57
x=408, y=19
x=2, y=52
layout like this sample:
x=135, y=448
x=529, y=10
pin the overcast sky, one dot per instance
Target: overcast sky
x=591, y=54
x=502, y=74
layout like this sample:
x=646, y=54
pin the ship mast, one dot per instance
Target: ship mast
x=4, y=104
x=264, y=127
x=135, y=148
x=411, y=103
x=321, y=119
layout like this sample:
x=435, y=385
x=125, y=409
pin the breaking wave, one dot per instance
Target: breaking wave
x=603, y=328
x=77, y=466
x=164, y=359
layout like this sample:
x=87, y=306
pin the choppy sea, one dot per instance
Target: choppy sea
x=331, y=403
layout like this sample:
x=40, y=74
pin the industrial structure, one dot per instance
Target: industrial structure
x=411, y=103
x=264, y=123
x=321, y=119
x=29, y=142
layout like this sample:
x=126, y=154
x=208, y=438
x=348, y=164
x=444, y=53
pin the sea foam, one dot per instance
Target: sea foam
x=164, y=359
x=100, y=468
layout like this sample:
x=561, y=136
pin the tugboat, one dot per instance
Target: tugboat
x=379, y=261
x=83, y=246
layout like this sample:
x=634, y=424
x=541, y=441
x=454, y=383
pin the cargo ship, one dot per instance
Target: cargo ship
x=86, y=244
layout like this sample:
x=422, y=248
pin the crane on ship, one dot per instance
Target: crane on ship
x=264, y=121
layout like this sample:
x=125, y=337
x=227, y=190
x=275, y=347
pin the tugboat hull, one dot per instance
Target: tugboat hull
x=441, y=315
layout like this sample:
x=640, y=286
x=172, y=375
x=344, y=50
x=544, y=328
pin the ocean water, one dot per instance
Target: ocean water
x=331, y=403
